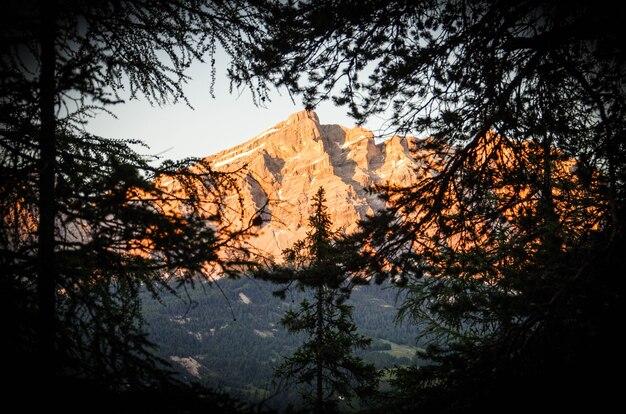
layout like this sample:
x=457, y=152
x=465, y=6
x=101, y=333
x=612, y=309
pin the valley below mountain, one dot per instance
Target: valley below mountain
x=227, y=335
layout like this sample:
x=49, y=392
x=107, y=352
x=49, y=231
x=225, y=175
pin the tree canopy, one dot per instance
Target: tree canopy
x=87, y=222
x=508, y=245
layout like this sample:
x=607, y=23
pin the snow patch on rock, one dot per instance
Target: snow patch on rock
x=244, y=299
x=197, y=335
x=191, y=365
x=180, y=320
x=264, y=334
x=269, y=131
x=235, y=157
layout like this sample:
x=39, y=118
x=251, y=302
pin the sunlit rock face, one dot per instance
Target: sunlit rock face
x=283, y=167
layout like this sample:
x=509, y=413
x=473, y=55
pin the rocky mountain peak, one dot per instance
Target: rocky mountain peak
x=302, y=115
x=285, y=165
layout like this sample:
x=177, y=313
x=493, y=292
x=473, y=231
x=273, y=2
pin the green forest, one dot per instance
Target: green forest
x=507, y=254
x=239, y=343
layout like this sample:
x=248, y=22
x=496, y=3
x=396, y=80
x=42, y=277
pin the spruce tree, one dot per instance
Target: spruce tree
x=325, y=363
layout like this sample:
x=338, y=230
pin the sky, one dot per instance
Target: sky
x=176, y=131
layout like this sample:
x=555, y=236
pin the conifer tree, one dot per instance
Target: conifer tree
x=86, y=222
x=325, y=363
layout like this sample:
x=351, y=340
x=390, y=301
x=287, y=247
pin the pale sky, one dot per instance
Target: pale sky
x=215, y=124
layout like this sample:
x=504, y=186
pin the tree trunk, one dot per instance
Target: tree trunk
x=319, y=345
x=551, y=240
x=46, y=269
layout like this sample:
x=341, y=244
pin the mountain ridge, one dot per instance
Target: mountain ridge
x=282, y=167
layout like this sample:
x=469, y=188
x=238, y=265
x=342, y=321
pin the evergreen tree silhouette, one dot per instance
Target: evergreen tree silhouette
x=325, y=363
x=86, y=224
x=509, y=245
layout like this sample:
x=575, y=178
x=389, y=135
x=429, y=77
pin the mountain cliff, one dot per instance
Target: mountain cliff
x=281, y=168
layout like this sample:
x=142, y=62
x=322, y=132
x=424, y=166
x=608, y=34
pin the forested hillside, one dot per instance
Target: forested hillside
x=227, y=335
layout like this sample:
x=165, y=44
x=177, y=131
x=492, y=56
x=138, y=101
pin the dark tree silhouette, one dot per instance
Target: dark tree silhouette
x=86, y=221
x=325, y=362
x=509, y=246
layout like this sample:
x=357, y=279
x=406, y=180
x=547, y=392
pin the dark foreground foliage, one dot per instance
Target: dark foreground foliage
x=510, y=247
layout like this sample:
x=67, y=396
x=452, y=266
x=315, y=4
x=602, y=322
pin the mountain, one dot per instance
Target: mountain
x=281, y=168
x=230, y=337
